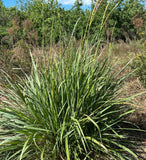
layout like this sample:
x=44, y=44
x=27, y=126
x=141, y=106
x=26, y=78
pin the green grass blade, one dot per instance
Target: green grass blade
x=25, y=147
x=67, y=148
x=97, y=142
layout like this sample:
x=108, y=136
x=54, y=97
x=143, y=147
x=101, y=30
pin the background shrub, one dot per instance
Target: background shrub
x=139, y=63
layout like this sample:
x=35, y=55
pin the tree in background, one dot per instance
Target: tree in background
x=124, y=15
x=52, y=23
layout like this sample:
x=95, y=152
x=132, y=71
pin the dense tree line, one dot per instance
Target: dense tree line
x=38, y=22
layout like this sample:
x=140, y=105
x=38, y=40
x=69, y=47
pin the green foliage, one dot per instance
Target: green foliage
x=53, y=23
x=69, y=110
x=139, y=63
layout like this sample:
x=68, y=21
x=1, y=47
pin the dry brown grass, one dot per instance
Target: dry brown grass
x=133, y=87
x=123, y=53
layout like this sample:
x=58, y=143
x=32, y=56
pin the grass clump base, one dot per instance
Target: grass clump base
x=69, y=110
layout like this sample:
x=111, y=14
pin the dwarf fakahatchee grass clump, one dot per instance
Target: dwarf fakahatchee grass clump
x=68, y=110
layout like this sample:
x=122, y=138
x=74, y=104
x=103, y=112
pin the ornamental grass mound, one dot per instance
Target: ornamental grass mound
x=69, y=110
